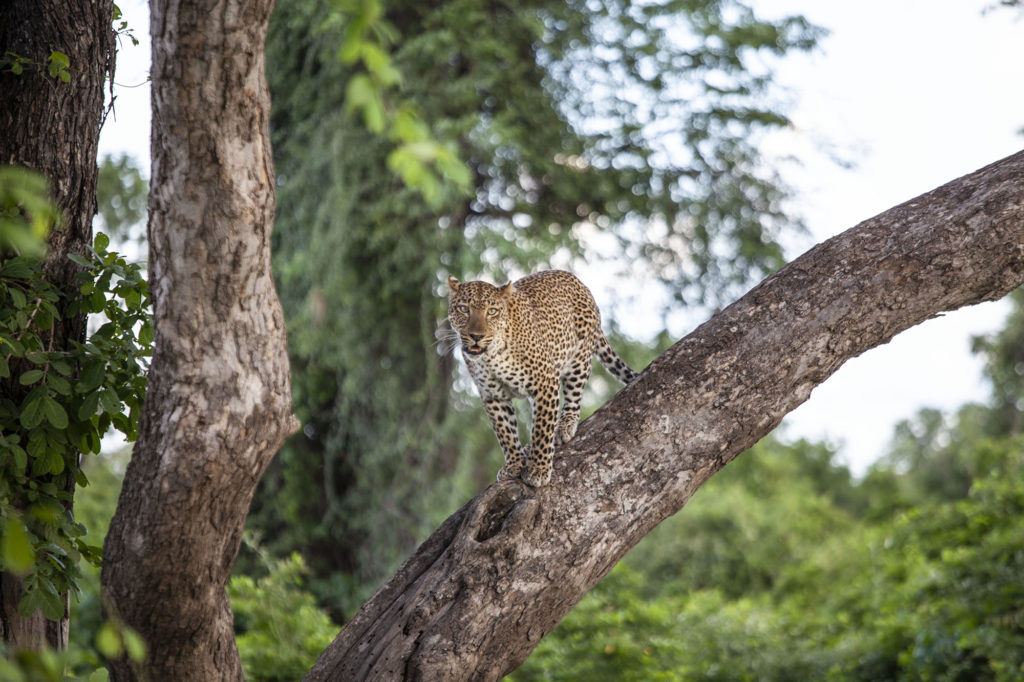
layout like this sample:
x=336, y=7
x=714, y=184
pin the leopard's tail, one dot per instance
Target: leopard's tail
x=611, y=360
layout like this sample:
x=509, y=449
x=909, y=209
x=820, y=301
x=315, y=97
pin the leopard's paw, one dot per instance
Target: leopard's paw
x=537, y=477
x=565, y=430
x=508, y=472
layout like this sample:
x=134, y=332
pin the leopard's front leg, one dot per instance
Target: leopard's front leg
x=542, y=437
x=503, y=420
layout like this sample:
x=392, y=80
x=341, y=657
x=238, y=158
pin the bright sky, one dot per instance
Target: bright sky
x=916, y=93
x=927, y=91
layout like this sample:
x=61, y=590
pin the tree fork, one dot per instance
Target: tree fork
x=476, y=598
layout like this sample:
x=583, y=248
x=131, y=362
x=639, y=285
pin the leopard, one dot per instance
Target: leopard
x=524, y=339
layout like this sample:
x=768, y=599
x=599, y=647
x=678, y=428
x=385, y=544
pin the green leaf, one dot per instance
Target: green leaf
x=134, y=643
x=146, y=334
x=5, y=371
x=37, y=444
x=75, y=258
x=107, y=641
x=132, y=298
x=43, y=319
x=52, y=604
x=89, y=406
x=93, y=374
x=30, y=602
x=42, y=464
x=62, y=367
x=55, y=413
x=15, y=547
x=58, y=383
x=30, y=377
x=20, y=267
x=20, y=459
x=110, y=402
x=17, y=349
x=362, y=95
x=17, y=296
x=59, y=59
x=32, y=414
x=378, y=62
x=100, y=242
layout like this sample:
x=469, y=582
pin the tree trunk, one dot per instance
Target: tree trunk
x=219, y=400
x=477, y=597
x=53, y=127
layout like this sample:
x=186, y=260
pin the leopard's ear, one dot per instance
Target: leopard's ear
x=506, y=290
x=453, y=284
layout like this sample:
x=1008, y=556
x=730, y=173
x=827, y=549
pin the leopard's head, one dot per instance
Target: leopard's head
x=478, y=311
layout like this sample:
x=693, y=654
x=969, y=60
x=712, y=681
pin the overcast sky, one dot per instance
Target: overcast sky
x=916, y=93
x=921, y=92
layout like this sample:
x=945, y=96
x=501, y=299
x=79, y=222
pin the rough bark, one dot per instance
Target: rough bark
x=53, y=127
x=218, y=404
x=477, y=597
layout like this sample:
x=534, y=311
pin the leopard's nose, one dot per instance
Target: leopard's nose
x=476, y=337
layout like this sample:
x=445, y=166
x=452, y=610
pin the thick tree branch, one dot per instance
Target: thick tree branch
x=476, y=598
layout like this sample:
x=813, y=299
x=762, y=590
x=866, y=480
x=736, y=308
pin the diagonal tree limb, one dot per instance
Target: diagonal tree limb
x=476, y=598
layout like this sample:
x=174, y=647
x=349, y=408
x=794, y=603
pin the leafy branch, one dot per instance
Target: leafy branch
x=422, y=161
x=71, y=398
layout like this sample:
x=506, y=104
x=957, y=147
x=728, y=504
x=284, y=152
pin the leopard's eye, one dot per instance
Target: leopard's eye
x=463, y=308
x=492, y=311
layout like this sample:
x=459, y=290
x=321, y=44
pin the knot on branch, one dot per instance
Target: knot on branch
x=501, y=507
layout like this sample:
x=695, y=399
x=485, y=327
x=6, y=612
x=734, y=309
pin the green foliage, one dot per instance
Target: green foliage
x=59, y=400
x=422, y=161
x=934, y=594
x=279, y=628
x=1004, y=367
x=26, y=212
x=94, y=508
x=14, y=63
x=741, y=530
x=122, y=194
x=75, y=663
x=57, y=65
x=121, y=27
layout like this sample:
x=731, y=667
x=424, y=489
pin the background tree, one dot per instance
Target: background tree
x=361, y=269
x=54, y=60
x=1004, y=367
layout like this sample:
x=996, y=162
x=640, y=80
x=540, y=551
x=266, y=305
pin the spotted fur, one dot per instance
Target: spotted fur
x=521, y=340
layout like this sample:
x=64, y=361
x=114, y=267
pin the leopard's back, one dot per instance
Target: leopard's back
x=552, y=317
